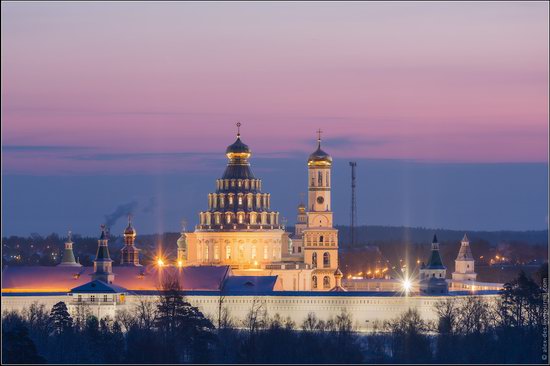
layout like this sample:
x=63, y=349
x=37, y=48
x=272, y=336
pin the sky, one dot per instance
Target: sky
x=111, y=107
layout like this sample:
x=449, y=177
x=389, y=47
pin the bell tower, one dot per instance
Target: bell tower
x=320, y=238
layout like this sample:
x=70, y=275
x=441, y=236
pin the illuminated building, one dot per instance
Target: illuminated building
x=320, y=239
x=464, y=262
x=239, y=228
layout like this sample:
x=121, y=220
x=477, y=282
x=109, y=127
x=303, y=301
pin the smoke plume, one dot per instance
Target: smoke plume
x=121, y=211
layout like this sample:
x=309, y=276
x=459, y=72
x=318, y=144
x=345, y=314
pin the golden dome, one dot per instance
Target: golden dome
x=319, y=157
x=130, y=231
x=238, y=150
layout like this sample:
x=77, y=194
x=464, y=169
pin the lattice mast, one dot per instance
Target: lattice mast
x=353, y=213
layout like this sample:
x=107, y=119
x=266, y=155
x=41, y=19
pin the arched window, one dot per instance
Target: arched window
x=314, y=260
x=216, y=252
x=326, y=260
x=327, y=180
x=314, y=282
x=253, y=252
x=326, y=282
x=228, y=252
x=320, y=179
x=321, y=239
x=265, y=251
x=206, y=252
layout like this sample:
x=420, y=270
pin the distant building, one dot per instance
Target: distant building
x=464, y=262
x=103, y=264
x=129, y=253
x=68, y=259
x=432, y=275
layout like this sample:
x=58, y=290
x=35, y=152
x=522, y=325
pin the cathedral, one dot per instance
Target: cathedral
x=239, y=253
x=241, y=230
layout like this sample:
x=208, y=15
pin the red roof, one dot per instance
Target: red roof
x=63, y=279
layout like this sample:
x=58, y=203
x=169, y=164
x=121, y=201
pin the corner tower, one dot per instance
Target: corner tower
x=432, y=275
x=464, y=262
x=320, y=237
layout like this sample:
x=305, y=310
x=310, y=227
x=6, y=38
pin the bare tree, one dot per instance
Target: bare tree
x=145, y=310
x=447, y=312
x=256, y=317
x=126, y=318
x=473, y=315
x=310, y=323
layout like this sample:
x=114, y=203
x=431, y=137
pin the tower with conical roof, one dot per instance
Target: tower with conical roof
x=320, y=237
x=129, y=253
x=464, y=262
x=432, y=274
x=103, y=264
x=68, y=259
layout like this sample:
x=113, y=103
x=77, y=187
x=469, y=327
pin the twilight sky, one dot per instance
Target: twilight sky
x=444, y=106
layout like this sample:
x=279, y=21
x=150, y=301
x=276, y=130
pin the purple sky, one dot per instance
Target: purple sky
x=155, y=88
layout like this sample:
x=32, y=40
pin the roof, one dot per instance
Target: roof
x=238, y=171
x=238, y=146
x=63, y=279
x=465, y=238
x=68, y=258
x=435, y=261
x=98, y=286
x=320, y=156
x=102, y=253
x=250, y=284
x=465, y=253
x=338, y=289
x=44, y=279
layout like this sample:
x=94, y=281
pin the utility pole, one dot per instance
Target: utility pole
x=353, y=164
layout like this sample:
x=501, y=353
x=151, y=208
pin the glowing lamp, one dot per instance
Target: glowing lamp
x=160, y=262
x=180, y=263
x=407, y=285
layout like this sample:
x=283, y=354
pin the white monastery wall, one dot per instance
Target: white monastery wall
x=364, y=310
